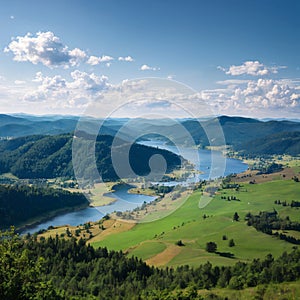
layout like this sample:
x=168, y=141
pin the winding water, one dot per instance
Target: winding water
x=212, y=164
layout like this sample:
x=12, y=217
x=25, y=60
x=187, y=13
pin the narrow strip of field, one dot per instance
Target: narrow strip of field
x=165, y=256
x=112, y=227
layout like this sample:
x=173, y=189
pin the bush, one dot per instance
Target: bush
x=231, y=243
x=179, y=243
x=211, y=247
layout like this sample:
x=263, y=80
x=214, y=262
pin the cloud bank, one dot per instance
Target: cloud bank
x=78, y=91
x=44, y=48
x=253, y=68
x=262, y=97
x=237, y=95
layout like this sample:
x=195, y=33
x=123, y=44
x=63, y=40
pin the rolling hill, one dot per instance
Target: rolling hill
x=24, y=125
x=238, y=132
x=49, y=156
x=279, y=143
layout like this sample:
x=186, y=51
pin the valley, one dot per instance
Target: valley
x=155, y=242
x=222, y=204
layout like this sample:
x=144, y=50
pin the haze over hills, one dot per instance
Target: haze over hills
x=238, y=132
x=13, y=126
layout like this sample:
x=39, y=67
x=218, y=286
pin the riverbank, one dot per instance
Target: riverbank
x=98, y=195
x=130, y=202
x=47, y=217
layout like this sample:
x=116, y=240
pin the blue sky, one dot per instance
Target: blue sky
x=240, y=57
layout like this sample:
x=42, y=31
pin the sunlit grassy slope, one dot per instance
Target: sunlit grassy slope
x=155, y=241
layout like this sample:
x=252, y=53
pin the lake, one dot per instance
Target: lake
x=124, y=201
x=212, y=164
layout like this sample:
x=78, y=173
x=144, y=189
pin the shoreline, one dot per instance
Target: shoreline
x=133, y=188
x=53, y=214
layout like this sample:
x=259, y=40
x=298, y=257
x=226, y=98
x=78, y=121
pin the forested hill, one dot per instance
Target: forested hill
x=236, y=131
x=280, y=143
x=239, y=132
x=56, y=269
x=42, y=156
x=23, y=125
x=20, y=204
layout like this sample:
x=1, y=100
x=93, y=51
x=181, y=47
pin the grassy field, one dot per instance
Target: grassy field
x=283, y=291
x=97, y=194
x=155, y=241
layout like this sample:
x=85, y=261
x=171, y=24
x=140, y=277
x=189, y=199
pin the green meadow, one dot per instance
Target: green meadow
x=151, y=241
x=282, y=291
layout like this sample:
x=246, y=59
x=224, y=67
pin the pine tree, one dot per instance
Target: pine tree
x=231, y=243
x=236, y=217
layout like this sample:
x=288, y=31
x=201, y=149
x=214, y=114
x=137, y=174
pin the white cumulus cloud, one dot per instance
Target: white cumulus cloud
x=45, y=48
x=125, y=58
x=93, y=60
x=148, y=68
x=254, y=68
x=82, y=88
x=96, y=60
x=262, y=97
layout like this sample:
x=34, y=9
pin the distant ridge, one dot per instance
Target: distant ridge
x=279, y=143
x=13, y=126
x=232, y=130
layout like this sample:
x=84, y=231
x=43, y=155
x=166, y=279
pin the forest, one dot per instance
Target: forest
x=56, y=268
x=21, y=203
x=51, y=156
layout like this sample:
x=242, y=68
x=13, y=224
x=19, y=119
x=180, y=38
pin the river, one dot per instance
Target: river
x=211, y=164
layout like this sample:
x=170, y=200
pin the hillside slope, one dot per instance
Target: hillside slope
x=280, y=143
x=51, y=156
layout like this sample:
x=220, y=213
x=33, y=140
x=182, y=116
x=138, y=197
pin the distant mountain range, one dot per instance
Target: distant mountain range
x=17, y=126
x=250, y=136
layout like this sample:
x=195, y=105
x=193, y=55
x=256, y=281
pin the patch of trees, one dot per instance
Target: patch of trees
x=211, y=247
x=287, y=238
x=55, y=268
x=211, y=190
x=230, y=198
x=284, y=203
x=22, y=203
x=266, y=222
x=162, y=189
x=228, y=184
x=270, y=168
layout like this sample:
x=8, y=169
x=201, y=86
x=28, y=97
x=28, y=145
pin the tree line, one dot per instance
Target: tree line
x=55, y=268
x=22, y=203
x=51, y=157
x=267, y=222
